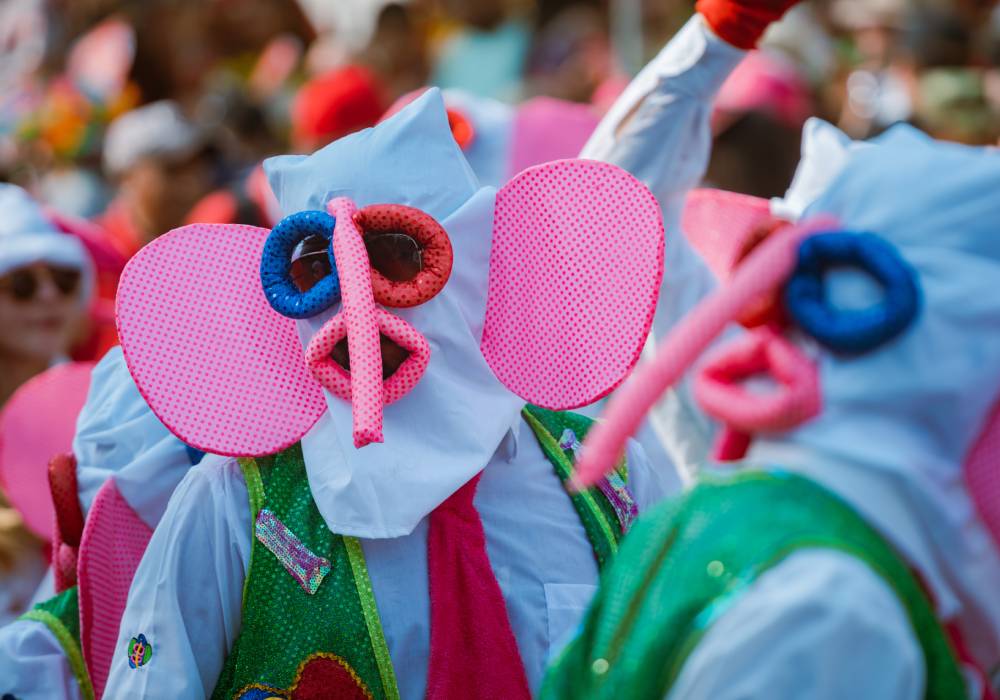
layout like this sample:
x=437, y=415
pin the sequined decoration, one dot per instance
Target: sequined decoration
x=612, y=486
x=139, y=652
x=621, y=499
x=569, y=441
x=304, y=566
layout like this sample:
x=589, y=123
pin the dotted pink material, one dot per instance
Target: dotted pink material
x=37, y=423
x=982, y=474
x=719, y=225
x=575, y=271
x=547, y=129
x=338, y=381
x=768, y=266
x=220, y=368
x=114, y=540
x=718, y=384
x=360, y=322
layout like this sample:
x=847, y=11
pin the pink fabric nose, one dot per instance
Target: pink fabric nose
x=362, y=328
x=361, y=321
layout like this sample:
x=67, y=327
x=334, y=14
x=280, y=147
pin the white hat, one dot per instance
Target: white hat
x=27, y=237
x=158, y=129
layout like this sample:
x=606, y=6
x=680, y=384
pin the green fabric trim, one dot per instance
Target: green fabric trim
x=688, y=560
x=596, y=514
x=372, y=620
x=61, y=615
x=255, y=496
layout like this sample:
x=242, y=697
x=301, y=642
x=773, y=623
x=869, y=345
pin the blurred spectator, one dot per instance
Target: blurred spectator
x=46, y=281
x=22, y=563
x=486, y=54
x=397, y=51
x=248, y=26
x=571, y=56
x=876, y=94
x=952, y=104
x=163, y=164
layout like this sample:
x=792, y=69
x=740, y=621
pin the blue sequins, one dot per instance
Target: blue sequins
x=852, y=331
x=276, y=261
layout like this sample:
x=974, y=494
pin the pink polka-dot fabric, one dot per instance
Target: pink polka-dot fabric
x=982, y=474
x=338, y=381
x=38, y=423
x=114, y=540
x=719, y=224
x=221, y=369
x=360, y=322
x=575, y=270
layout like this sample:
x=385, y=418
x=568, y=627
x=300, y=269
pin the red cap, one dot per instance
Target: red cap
x=335, y=104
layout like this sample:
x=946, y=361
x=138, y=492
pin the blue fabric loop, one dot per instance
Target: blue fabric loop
x=276, y=262
x=853, y=331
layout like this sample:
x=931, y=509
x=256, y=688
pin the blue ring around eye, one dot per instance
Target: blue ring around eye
x=276, y=263
x=853, y=331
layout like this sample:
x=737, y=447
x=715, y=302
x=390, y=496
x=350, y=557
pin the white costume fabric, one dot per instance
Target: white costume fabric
x=117, y=435
x=907, y=483
x=459, y=420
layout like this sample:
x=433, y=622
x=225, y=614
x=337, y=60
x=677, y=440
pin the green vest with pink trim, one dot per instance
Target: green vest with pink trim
x=300, y=572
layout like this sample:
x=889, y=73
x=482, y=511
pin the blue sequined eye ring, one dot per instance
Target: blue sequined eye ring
x=276, y=264
x=851, y=331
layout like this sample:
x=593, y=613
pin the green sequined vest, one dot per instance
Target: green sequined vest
x=61, y=614
x=688, y=560
x=280, y=648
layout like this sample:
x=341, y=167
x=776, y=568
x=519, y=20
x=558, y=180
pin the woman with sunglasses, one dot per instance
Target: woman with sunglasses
x=46, y=279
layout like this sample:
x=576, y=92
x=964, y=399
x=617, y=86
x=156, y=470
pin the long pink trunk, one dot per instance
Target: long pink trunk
x=362, y=327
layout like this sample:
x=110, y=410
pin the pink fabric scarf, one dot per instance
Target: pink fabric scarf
x=473, y=650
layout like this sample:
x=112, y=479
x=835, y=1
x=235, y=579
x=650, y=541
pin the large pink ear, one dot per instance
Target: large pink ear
x=575, y=271
x=37, y=423
x=114, y=540
x=721, y=225
x=223, y=370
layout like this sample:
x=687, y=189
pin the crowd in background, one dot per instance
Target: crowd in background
x=127, y=118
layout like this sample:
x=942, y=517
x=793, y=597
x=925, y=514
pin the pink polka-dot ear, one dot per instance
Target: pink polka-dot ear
x=220, y=368
x=575, y=271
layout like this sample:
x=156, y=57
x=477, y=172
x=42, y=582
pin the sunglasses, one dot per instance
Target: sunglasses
x=408, y=251
x=397, y=256
x=23, y=285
